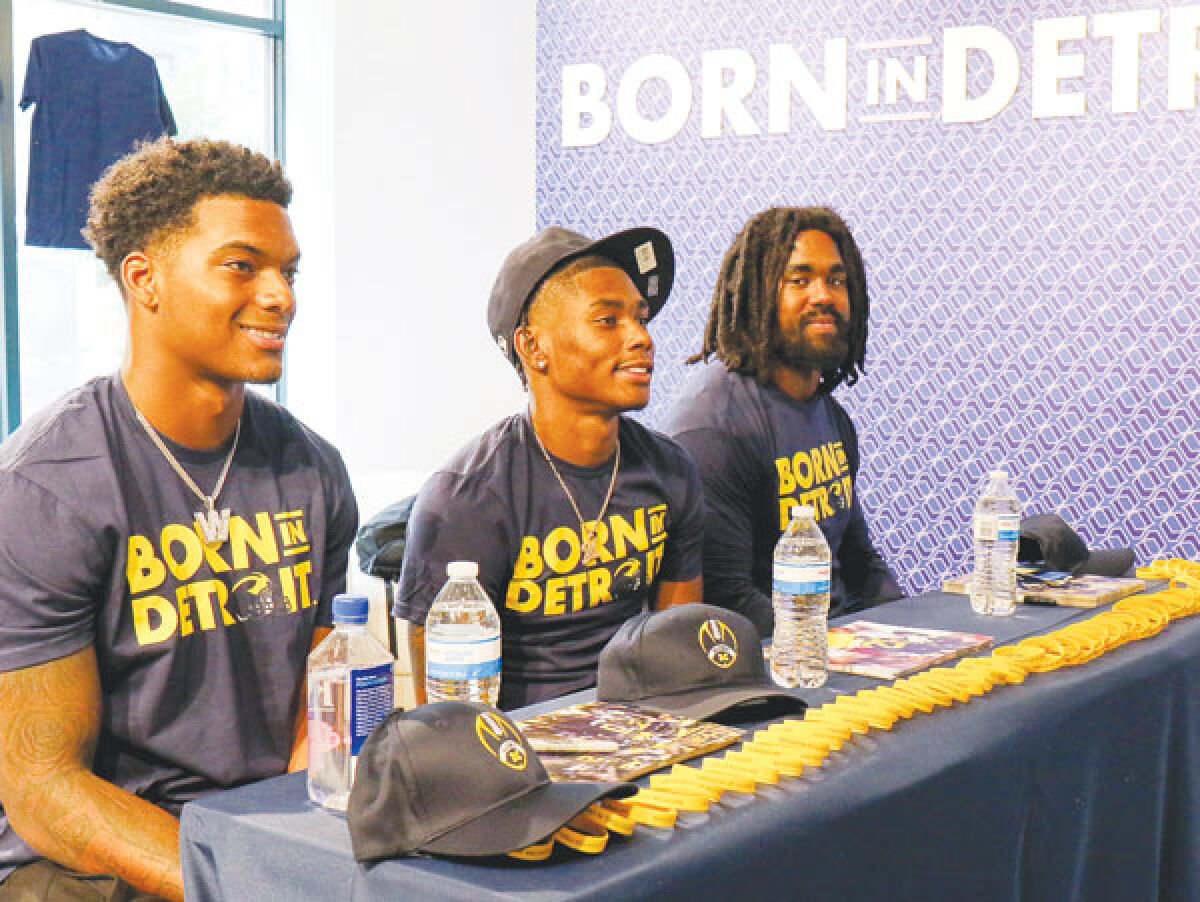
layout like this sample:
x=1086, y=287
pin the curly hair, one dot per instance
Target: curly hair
x=741, y=321
x=145, y=197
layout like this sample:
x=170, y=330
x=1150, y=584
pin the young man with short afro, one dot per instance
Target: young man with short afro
x=169, y=541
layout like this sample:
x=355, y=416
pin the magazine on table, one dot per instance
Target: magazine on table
x=885, y=651
x=1042, y=587
x=628, y=741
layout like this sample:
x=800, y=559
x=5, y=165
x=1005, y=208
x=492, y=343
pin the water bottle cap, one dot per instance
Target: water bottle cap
x=998, y=474
x=462, y=570
x=803, y=510
x=350, y=609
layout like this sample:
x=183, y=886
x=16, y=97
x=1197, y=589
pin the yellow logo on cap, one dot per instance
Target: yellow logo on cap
x=502, y=740
x=719, y=642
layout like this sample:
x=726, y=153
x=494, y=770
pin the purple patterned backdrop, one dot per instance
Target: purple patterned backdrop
x=1032, y=279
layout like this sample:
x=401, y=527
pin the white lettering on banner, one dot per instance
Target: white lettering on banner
x=679, y=103
x=723, y=100
x=1126, y=30
x=788, y=73
x=895, y=75
x=1006, y=72
x=1051, y=64
x=915, y=83
x=1183, y=22
x=583, y=95
x=894, y=79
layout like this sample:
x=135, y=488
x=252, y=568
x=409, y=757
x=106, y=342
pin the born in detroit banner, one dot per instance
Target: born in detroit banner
x=1022, y=179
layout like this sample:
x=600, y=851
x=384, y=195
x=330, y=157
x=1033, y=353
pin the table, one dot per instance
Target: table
x=1078, y=784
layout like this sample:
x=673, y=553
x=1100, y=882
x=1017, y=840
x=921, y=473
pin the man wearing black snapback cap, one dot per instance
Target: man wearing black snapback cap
x=579, y=518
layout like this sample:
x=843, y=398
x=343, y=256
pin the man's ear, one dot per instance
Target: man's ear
x=138, y=281
x=525, y=341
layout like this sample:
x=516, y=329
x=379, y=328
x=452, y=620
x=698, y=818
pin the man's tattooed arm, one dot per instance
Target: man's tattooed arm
x=49, y=720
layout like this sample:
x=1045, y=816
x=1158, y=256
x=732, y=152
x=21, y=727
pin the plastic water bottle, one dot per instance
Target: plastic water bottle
x=800, y=646
x=997, y=528
x=350, y=690
x=462, y=640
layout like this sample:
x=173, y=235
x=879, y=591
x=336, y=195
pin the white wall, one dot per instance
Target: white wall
x=411, y=146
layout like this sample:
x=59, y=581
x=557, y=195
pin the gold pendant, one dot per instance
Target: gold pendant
x=589, y=545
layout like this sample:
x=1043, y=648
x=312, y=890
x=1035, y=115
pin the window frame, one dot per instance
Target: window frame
x=271, y=28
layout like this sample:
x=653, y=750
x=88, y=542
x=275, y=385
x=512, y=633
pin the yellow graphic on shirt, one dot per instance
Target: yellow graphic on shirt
x=629, y=554
x=178, y=584
x=819, y=477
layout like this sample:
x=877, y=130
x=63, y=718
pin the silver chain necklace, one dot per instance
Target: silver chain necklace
x=588, y=530
x=213, y=524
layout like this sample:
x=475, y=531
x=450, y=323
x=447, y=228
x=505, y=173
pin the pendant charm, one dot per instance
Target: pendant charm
x=214, y=525
x=589, y=546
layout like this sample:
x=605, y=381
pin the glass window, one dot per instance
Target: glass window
x=260, y=8
x=218, y=81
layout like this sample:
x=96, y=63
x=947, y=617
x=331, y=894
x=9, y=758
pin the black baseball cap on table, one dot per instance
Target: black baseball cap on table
x=694, y=660
x=644, y=254
x=1048, y=538
x=457, y=778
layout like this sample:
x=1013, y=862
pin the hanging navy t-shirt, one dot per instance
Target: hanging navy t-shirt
x=95, y=100
x=760, y=452
x=498, y=503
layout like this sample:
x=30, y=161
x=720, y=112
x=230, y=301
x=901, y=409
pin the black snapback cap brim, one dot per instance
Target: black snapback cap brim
x=708, y=701
x=524, y=820
x=623, y=249
x=1048, y=538
x=1107, y=562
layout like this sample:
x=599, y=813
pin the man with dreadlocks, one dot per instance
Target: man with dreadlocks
x=788, y=324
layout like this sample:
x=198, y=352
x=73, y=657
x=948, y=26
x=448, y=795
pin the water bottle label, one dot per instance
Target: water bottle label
x=985, y=527
x=472, y=660
x=1008, y=527
x=371, y=690
x=801, y=579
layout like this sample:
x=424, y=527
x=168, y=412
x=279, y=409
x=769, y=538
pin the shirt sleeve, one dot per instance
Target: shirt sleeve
x=52, y=563
x=454, y=519
x=731, y=482
x=865, y=574
x=341, y=527
x=34, y=76
x=684, y=556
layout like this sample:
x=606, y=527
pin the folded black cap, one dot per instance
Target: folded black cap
x=695, y=660
x=457, y=778
x=645, y=254
x=1048, y=538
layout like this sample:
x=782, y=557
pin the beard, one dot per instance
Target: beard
x=794, y=347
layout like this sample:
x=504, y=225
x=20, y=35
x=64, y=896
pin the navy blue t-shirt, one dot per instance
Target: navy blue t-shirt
x=498, y=503
x=95, y=100
x=760, y=453
x=201, y=652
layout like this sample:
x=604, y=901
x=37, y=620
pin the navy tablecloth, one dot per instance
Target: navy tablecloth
x=1077, y=784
